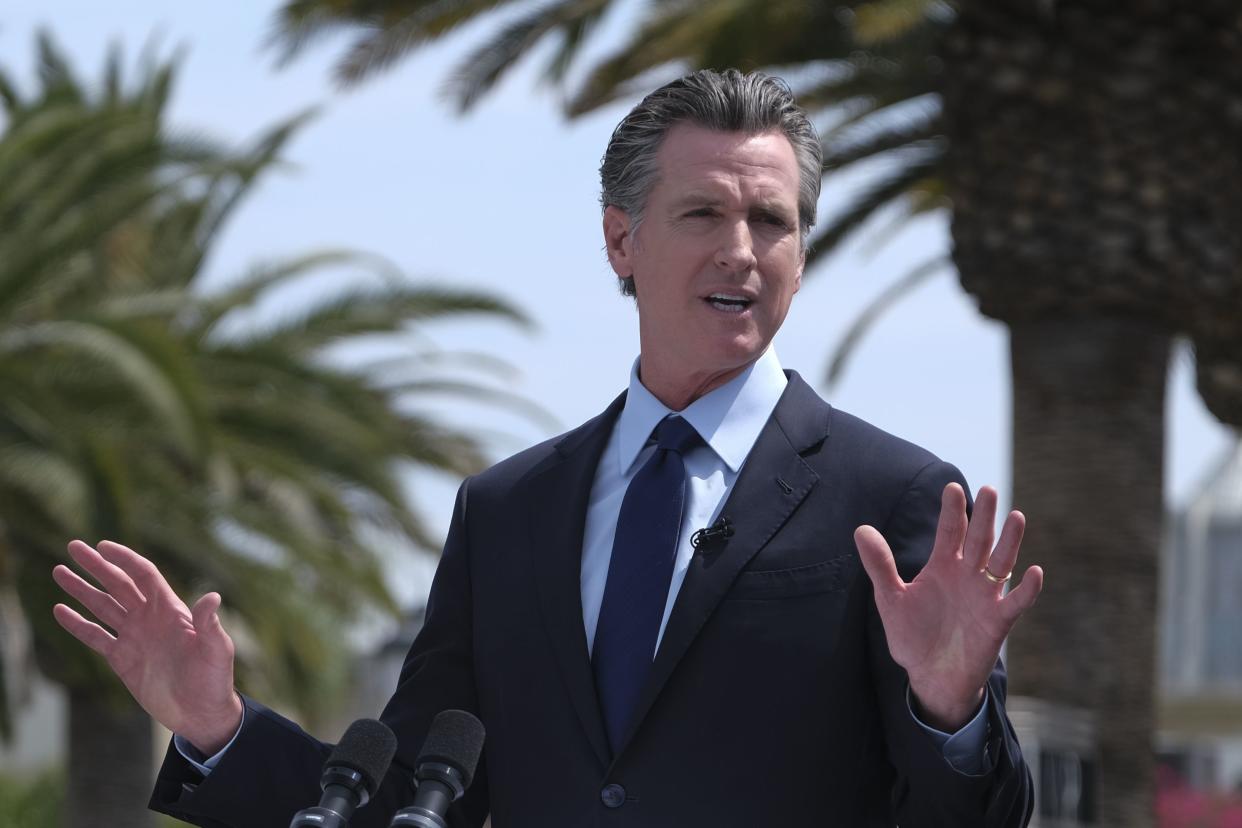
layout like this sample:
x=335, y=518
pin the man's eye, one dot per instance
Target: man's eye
x=701, y=212
x=774, y=221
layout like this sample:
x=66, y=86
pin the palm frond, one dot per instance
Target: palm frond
x=371, y=312
x=48, y=478
x=883, y=21
x=909, y=171
x=862, y=324
x=214, y=309
x=298, y=24
x=377, y=48
x=748, y=34
x=8, y=94
x=127, y=362
x=670, y=35
x=388, y=31
x=53, y=69
x=923, y=197
x=459, y=389
x=917, y=136
x=448, y=362
x=483, y=67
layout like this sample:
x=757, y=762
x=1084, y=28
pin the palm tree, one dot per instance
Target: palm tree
x=1088, y=152
x=1095, y=178
x=241, y=457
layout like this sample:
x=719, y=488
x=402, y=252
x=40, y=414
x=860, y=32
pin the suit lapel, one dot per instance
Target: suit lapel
x=772, y=484
x=559, y=492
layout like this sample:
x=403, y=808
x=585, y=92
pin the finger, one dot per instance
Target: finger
x=951, y=528
x=1022, y=597
x=207, y=620
x=877, y=560
x=89, y=633
x=979, y=534
x=119, y=585
x=1005, y=555
x=103, y=605
x=143, y=573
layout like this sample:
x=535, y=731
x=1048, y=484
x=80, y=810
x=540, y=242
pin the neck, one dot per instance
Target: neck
x=678, y=391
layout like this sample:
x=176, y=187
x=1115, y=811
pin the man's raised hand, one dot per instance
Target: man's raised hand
x=946, y=626
x=177, y=662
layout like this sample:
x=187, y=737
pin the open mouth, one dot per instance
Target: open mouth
x=728, y=302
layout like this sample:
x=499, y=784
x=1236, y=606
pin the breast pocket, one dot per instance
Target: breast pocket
x=812, y=579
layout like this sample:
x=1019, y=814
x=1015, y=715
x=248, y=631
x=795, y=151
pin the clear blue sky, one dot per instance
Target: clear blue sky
x=505, y=200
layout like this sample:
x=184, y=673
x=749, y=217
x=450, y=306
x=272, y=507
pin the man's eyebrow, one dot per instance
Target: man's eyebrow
x=774, y=208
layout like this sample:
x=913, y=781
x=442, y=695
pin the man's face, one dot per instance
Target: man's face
x=717, y=257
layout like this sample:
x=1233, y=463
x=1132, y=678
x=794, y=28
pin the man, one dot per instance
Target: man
x=630, y=671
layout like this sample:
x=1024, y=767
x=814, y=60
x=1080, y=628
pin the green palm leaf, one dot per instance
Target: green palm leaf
x=478, y=73
x=910, y=170
x=121, y=356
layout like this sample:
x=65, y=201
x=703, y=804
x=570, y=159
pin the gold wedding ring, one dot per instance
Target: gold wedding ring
x=996, y=579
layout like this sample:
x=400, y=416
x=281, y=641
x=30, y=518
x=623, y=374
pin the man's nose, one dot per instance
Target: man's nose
x=736, y=250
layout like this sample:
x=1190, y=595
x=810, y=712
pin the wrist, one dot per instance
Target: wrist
x=944, y=713
x=211, y=738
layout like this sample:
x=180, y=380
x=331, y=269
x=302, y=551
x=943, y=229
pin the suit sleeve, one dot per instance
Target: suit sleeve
x=273, y=768
x=928, y=792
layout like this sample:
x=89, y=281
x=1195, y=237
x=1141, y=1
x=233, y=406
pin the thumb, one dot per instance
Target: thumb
x=206, y=620
x=877, y=560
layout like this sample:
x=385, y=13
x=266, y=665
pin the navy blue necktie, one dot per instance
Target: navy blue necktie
x=639, y=574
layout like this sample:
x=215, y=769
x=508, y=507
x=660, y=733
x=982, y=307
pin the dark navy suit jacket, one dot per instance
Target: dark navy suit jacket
x=772, y=701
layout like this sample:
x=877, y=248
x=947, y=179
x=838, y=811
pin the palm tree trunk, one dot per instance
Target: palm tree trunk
x=1088, y=451
x=111, y=763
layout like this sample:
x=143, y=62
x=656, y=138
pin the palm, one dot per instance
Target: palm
x=164, y=661
x=946, y=627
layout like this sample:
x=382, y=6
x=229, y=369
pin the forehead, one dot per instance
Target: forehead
x=695, y=156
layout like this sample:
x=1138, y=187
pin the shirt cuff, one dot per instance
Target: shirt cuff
x=195, y=757
x=965, y=749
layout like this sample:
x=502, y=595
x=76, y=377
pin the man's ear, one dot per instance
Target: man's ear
x=618, y=241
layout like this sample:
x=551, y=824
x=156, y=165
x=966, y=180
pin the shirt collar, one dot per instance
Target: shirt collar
x=728, y=418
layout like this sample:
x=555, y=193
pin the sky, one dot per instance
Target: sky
x=504, y=200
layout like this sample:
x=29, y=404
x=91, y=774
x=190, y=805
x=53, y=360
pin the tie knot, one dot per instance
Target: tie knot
x=675, y=434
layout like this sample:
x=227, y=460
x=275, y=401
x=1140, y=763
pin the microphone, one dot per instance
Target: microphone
x=444, y=769
x=715, y=535
x=351, y=775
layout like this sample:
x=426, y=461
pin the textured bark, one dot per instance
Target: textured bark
x=1088, y=449
x=1093, y=158
x=111, y=763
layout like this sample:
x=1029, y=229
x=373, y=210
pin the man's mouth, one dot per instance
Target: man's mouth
x=728, y=302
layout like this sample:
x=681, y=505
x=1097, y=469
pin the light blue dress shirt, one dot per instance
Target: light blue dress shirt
x=729, y=419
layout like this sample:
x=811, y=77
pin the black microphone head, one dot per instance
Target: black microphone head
x=366, y=747
x=455, y=738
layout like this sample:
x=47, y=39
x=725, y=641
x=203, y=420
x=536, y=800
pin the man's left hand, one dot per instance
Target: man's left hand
x=946, y=626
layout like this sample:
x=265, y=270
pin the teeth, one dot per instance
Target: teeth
x=728, y=303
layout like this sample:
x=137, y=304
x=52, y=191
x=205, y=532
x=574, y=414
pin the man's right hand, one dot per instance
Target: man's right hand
x=177, y=662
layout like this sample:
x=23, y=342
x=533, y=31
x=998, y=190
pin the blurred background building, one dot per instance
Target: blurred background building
x=1200, y=733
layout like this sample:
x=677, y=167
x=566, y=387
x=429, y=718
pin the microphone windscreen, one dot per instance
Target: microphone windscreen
x=367, y=747
x=455, y=738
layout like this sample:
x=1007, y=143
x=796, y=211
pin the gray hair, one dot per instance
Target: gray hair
x=726, y=101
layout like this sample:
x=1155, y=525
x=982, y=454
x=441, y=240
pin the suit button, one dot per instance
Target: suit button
x=613, y=796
